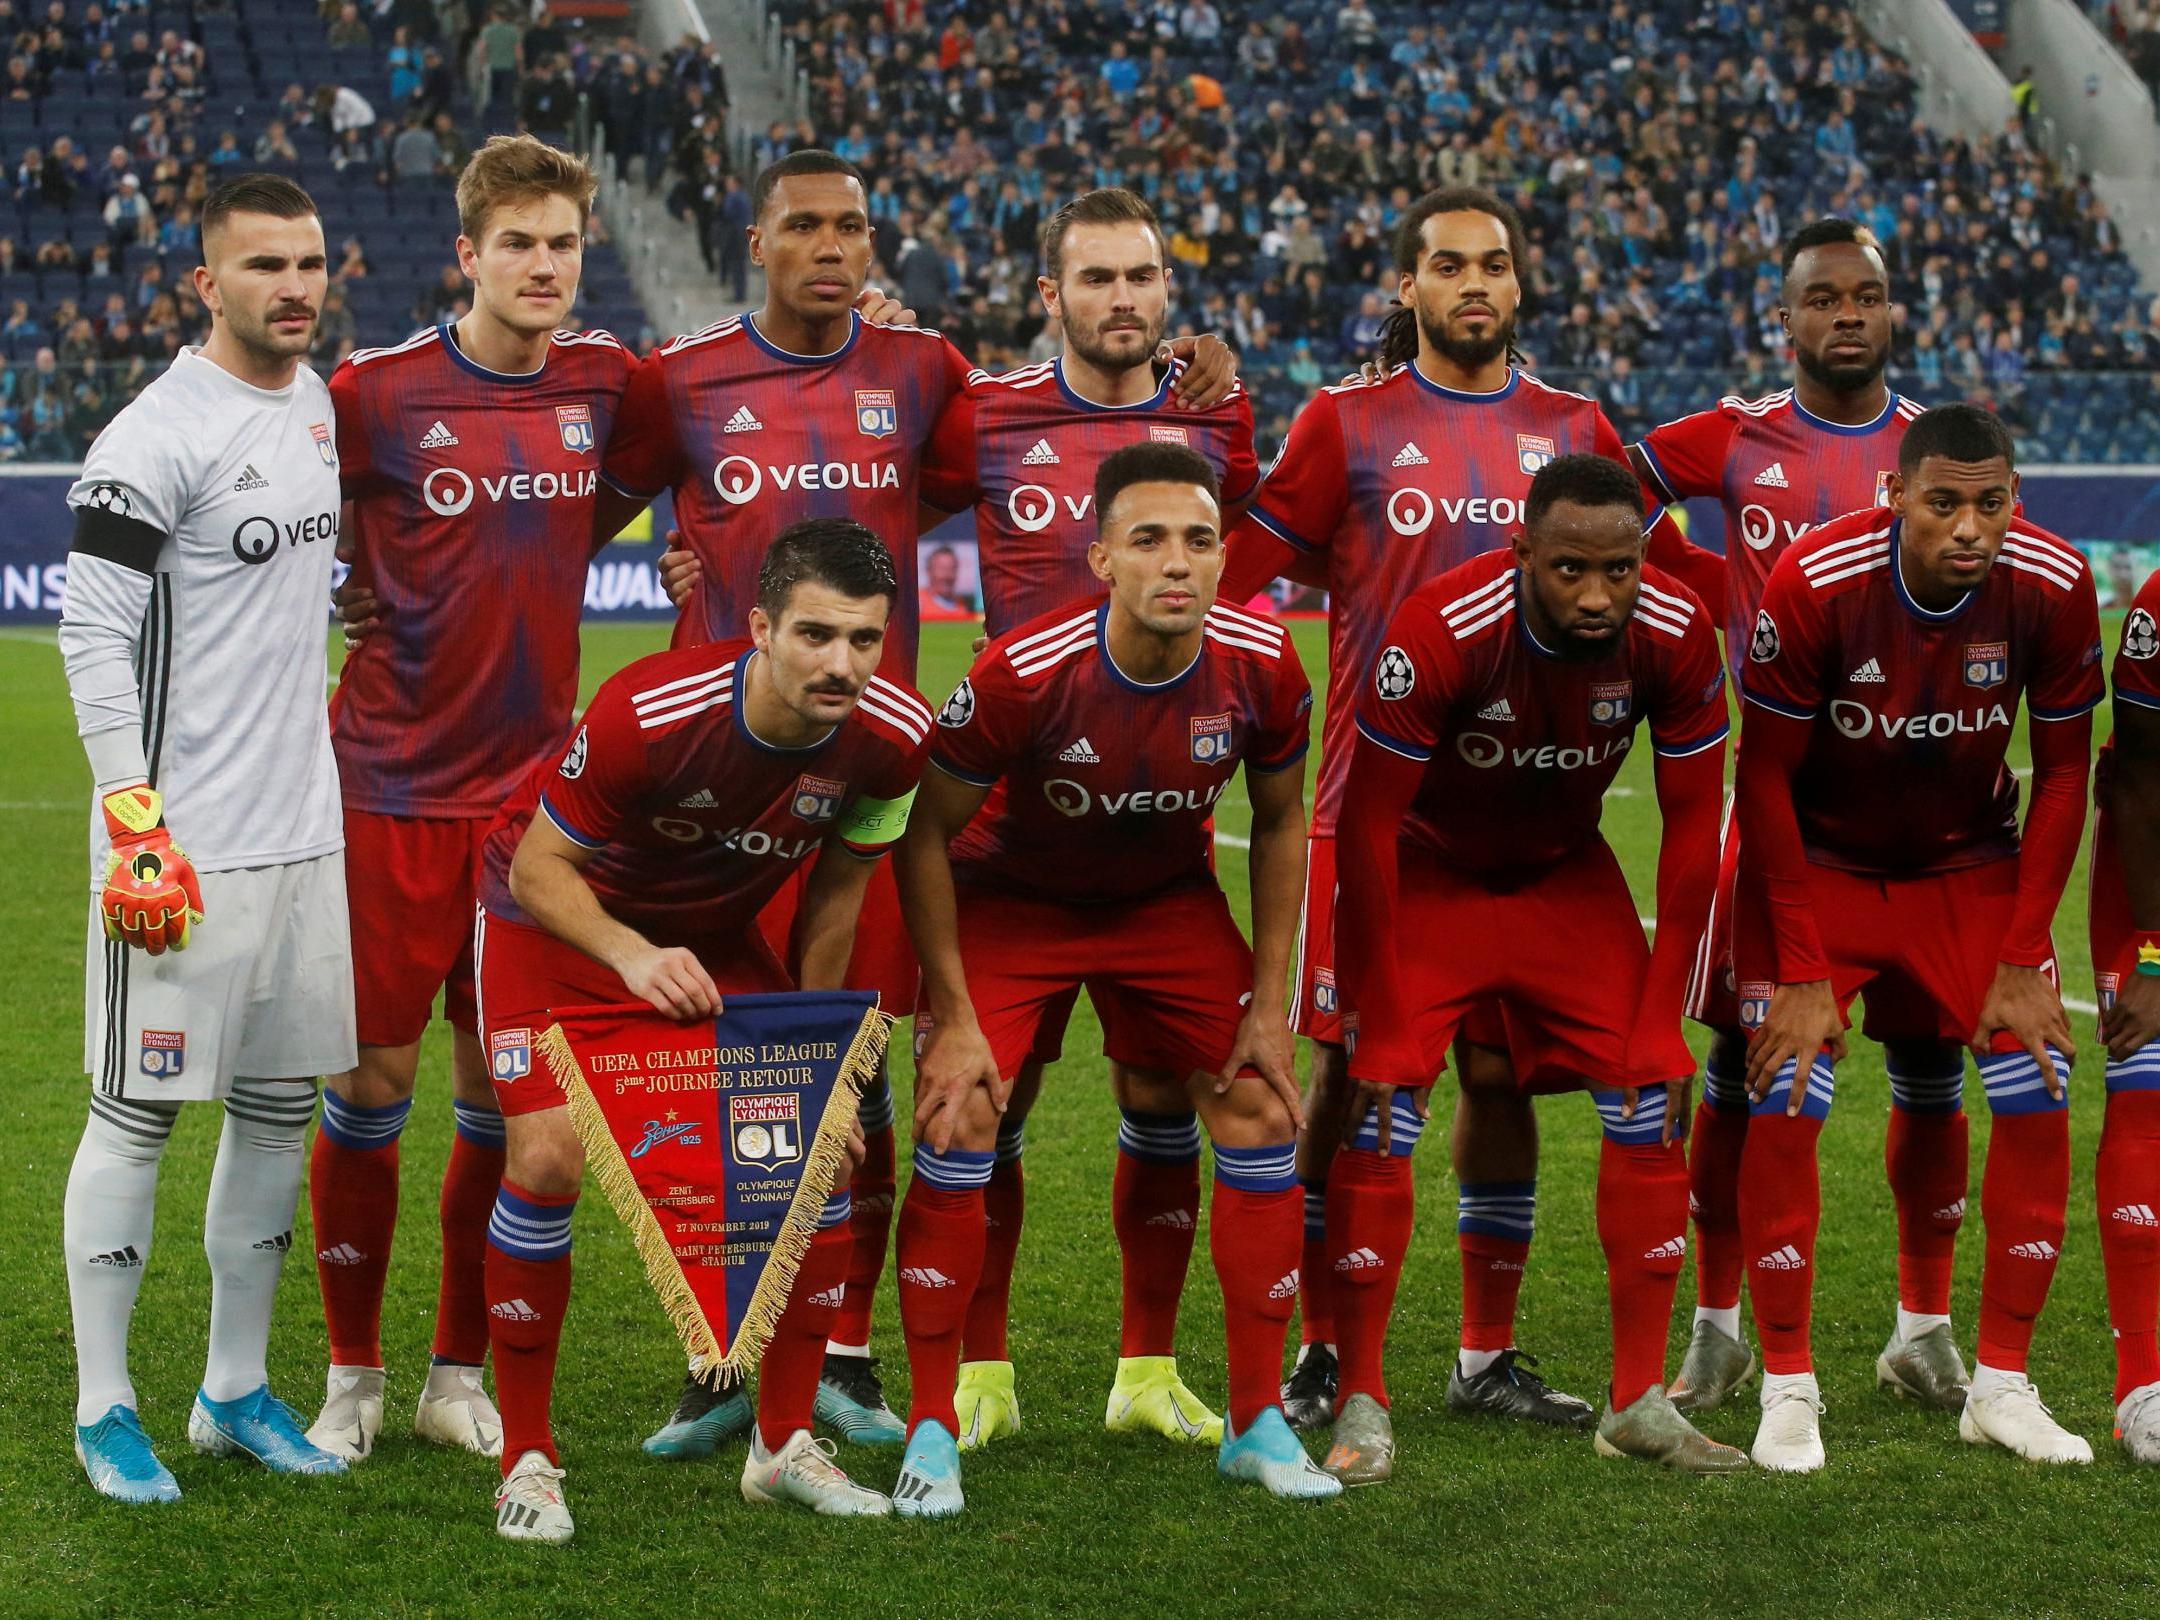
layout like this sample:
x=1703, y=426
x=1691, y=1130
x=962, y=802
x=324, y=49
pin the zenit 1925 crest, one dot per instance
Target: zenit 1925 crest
x=164, y=1053
x=817, y=798
x=1611, y=702
x=510, y=1054
x=1210, y=738
x=324, y=445
x=876, y=412
x=575, y=423
x=1987, y=663
x=1532, y=451
x=765, y=1129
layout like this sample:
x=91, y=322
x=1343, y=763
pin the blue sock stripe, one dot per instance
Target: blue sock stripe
x=1406, y=1125
x=837, y=1209
x=1821, y=1090
x=1257, y=1169
x=1159, y=1138
x=1647, y=1123
x=481, y=1126
x=1315, y=1210
x=529, y=1231
x=956, y=1169
x=1502, y=1209
x=1723, y=1090
x=1940, y=1093
x=1011, y=1141
x=2140, y=1071
x=351, y=1126
x=876, y=1109
x=2015, y=1085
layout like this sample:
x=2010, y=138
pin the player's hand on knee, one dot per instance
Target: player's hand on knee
x=2134, y=1019
x=1264, y=1043
x=1803, y=1019
x=2024, y=1003
x=1366, y=1097
x=680, y=569
x=150, y=897
x=1210, y=370
x=878, y=309
x=673, y=980
x=954, y=1062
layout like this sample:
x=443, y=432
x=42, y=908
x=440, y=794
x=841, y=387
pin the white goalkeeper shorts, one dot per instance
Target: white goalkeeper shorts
x=264, y=989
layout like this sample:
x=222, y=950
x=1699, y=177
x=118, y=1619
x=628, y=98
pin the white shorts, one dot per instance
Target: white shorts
x=264, y=989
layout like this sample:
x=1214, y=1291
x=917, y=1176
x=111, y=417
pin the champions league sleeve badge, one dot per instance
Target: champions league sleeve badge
x=1764, y=645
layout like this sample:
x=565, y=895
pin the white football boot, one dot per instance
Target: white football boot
x=529, y=1505
x=351, y=1415
x=1789, y=1438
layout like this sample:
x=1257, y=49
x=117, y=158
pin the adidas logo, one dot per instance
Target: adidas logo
x=702, y=799
x=438, y=437
x=1040, y=455
x=1773, y=476
x=1081, y=753
x=1673, y=1248
x=1410, y=456
x=741, y=422
x=1178, y=1220
x=830, y=1296
x=128, y=1256
x=1285, y=1287
x=1505, y=1265
x=1950, y=1212
x=2039, y=1249
x=873, y=1203
x=1358, y=1260
x=1786, y=1259
x=251, y=479
x=514, y=1310
x=926, y=1277
x=1869, y=674
x=278, y=1244
x=1496, y=710
x=340, y=1254
x=2136, y=1215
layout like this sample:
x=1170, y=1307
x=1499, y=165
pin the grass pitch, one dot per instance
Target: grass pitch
x=1481, y=1519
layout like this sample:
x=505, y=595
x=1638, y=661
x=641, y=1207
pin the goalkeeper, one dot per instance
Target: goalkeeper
x=193, y=634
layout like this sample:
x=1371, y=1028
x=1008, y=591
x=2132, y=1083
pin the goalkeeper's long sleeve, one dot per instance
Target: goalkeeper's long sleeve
x=101, y=627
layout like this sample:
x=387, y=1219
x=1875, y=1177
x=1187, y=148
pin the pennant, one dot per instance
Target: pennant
x=718, y=1144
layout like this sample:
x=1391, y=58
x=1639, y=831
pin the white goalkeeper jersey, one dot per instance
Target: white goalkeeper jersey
x=196, y=613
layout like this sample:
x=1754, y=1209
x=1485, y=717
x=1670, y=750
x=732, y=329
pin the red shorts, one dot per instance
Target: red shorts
x=1711, y=1000
x=524, y=970
x=411, y=886
x=1316, y=1005
x=1923, y=949
x=1562, y=957
x=884, y=957
x=1170, y=976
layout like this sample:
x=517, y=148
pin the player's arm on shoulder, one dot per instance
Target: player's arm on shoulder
x=644, y=453
x=2133, y=789
x=1211, y=370
x=1295, y=509
x=949, y=480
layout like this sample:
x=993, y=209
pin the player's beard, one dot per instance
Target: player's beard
x=1468, y=352
x=255, y=334
x=1092, y=348
x=1841, y=379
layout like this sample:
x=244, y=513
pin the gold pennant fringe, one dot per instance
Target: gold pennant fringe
x=828, y=1153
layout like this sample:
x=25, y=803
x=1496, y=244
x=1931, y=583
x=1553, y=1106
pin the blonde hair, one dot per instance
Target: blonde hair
x=511, y=169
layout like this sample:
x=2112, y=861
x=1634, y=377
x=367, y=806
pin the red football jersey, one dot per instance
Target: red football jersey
x=1779, y=472
x=1913, y=710
x=697, y=822
x=1395, y=482
x=752, y=438
x=2137, y=664
x=1102, y=788
x=1037, y=446
x=1520, y=743
x=472, y=498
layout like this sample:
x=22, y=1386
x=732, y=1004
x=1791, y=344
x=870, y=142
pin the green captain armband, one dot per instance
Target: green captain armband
x=873, y=824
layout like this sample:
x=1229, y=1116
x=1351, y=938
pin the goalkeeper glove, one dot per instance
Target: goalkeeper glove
x=151, y=896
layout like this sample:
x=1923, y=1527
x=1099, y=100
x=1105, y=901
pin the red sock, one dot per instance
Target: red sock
x=1004, y=1208
x=2024, y=1196
x=1493, y=1225
x=1371, y=1205
x=941, y=1256
x=2128, y=1185
x=468, y=1195
x=871, y=1225
x=528, y=1292
x=1154, y=1208
x=1642, y=1224
x=788, y=1373
x=1924, y=1158
x=1316, y=1284
x=1780, y=1209
x=353, y=1192
x=1716, y=1143
x=1254, y=1238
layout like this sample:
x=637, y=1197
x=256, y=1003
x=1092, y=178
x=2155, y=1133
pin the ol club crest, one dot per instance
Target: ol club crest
x=876, y=412
x=1210, y=738
x=575, y=422
x=320, y=433
x=818, y=799
x=765, y=1130
x=1987, y=664
x=1611, y=702
x=1532, y=452
x=510, y=1054
x=164, y=1053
